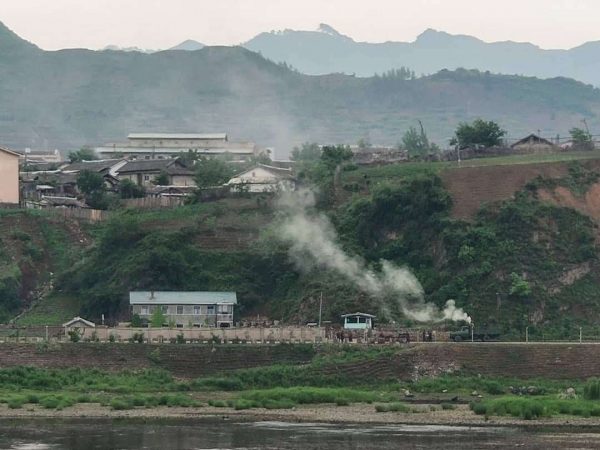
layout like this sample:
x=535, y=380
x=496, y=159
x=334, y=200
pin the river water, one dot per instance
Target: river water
x=44, y=434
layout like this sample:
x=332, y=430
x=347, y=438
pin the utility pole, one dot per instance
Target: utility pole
x=320, y=308
x=586, y=126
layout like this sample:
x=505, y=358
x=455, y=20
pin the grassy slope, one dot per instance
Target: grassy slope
x=34, y=246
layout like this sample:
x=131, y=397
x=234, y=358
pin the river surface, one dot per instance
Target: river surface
x=41, y=434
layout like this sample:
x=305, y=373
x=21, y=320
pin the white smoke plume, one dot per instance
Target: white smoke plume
x=314, y=243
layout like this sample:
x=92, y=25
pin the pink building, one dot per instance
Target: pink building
x=9, y=176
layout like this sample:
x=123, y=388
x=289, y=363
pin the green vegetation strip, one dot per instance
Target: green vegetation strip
x=533, y=408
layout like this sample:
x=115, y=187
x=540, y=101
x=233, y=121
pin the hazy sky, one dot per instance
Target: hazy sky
x=157, y=24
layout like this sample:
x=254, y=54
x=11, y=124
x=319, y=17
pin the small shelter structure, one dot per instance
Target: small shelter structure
x=80, y=328
x=358, y=321
x=533, y=144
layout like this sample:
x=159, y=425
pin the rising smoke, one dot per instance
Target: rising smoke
x=314, y=243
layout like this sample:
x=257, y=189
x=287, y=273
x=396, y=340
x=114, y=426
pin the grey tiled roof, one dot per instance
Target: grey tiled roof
x=181, y=298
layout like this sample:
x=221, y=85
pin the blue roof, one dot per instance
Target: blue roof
x=181, y=298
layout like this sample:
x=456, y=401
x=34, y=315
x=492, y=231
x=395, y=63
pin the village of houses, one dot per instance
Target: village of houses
x=44, y=180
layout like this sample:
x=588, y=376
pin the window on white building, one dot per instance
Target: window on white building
x=179, y=309
x=144, y=310
x=197, y=310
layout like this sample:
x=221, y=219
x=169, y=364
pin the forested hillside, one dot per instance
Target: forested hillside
x=69, y=98
x=526, y=261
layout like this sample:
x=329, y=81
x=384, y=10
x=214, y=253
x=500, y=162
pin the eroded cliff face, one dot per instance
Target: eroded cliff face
x=587, y=203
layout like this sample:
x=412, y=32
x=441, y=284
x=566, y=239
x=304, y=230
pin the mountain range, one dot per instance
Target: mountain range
x=69, y=98
x=327, y=51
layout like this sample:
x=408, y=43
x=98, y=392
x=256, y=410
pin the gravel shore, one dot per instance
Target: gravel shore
x=354, y=414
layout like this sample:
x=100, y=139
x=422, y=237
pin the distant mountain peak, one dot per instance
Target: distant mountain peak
x=433, y=36
x=328, y=29
x=189, y=45
x=10, y=41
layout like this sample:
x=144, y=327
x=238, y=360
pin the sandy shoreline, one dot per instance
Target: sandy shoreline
x=349, y=415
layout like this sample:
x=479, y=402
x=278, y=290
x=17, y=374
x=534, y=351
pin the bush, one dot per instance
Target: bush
x=179, y=400
x=245, y=404
x=119, y=404
x=478, y=408
x=448, y=406
x=137, y=337
x=494, y=388
x=393, y=407
x=217, y=403
x=56, y=402
x=591, y=389
x=223, y=384
x=33, y=398
x=16, y=402
x=74, y=335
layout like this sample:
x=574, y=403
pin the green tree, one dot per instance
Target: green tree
x=136, y=321
x=188, y=158
x=91, y=185
x=479, y=133
x=519, y=287
x=158, y=319
x=417, y=144
x=162, y=179
x=581, y=138
x=333, y=156
x=403, y=73
x=83, y=154
x=363, y=143
x=128, y=189
x=309, y=151
x=212, y=172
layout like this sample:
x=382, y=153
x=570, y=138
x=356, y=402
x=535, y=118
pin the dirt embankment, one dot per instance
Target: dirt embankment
x=183, y=361
x=555, y=361
x=472, y=187
x=518, y=360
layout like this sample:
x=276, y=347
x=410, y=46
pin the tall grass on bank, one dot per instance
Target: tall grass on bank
x=63, y=400
x=87, y=380
x=289, y=397
x=533, y=408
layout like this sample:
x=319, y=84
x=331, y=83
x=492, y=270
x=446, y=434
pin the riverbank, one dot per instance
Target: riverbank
x=348, y=415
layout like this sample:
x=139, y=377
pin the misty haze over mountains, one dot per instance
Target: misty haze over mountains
x=327, y=51
x=68, y=98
